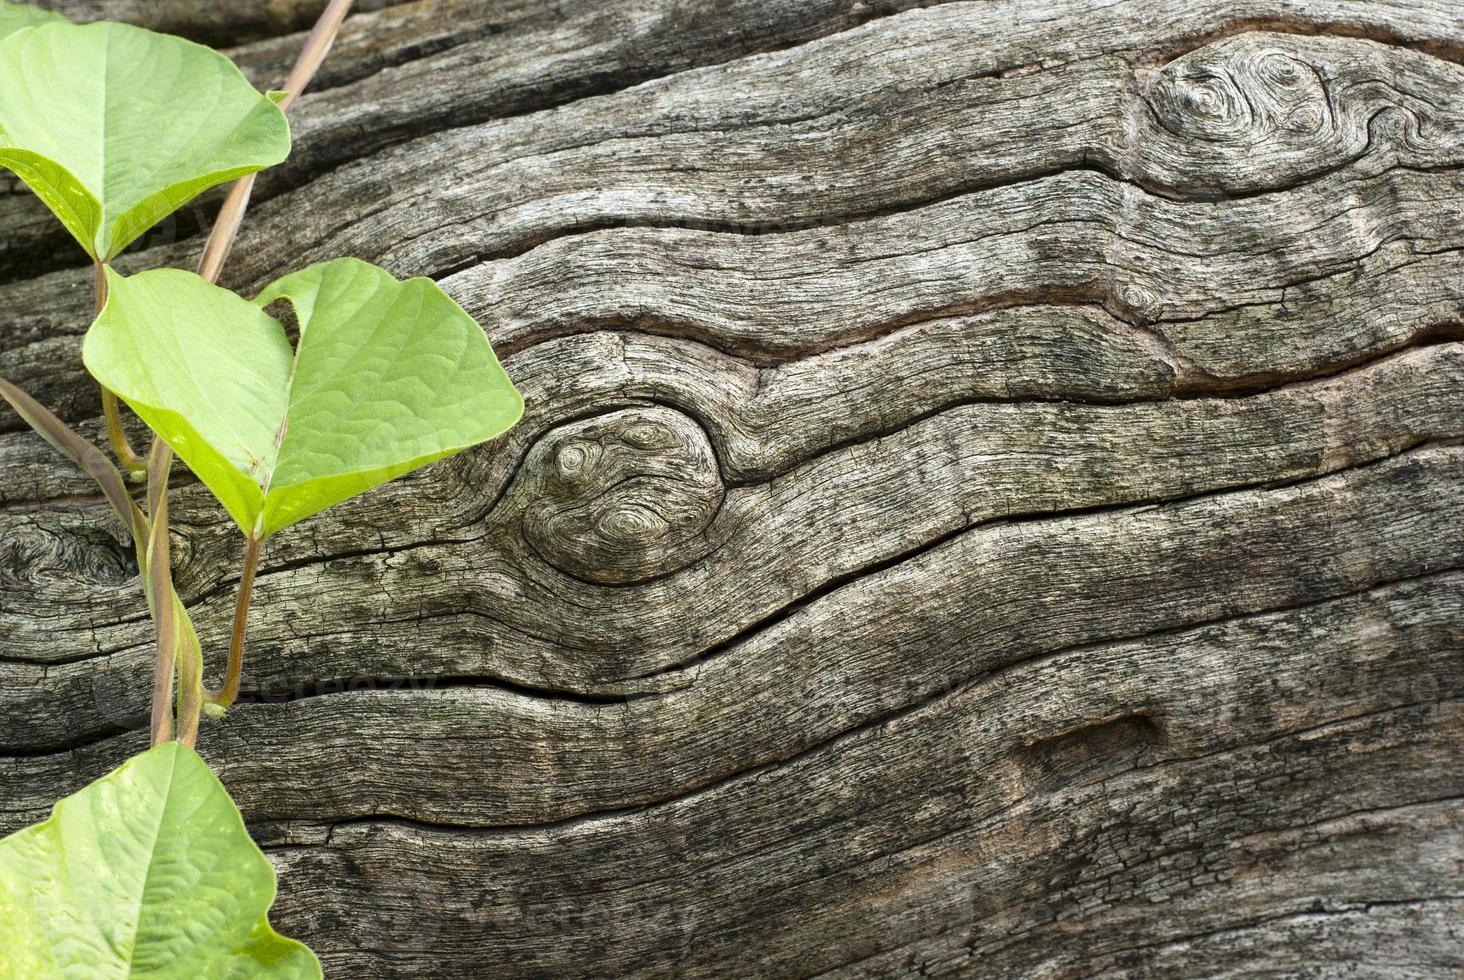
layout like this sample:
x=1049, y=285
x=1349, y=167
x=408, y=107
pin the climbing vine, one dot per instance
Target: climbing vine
x=150, y=870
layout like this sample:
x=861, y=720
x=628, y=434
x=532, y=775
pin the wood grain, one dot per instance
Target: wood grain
x=988, y=502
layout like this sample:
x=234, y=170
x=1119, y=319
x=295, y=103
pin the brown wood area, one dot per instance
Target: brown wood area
x=990, y=503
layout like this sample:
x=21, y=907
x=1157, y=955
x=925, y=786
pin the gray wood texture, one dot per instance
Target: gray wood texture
x=988, y=505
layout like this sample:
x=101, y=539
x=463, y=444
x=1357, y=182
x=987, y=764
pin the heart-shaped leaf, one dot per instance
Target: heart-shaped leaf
x=146, y=872
x=387, y=377
x=115, y=127
x=15, y=16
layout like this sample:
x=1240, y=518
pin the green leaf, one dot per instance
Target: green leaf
x=146, y=872
x=115, y=127
x=387, y=377
x=18, y=16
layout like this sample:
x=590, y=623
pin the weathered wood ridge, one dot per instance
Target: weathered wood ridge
x=989, y=501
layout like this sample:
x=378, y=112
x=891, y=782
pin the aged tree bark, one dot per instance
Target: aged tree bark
x=989, y=501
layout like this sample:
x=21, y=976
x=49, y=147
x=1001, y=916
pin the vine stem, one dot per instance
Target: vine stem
x=226, y=695
x=163, y=601
x=162, y=694
x=116, y=435
x=150, y=532
x=215, y=252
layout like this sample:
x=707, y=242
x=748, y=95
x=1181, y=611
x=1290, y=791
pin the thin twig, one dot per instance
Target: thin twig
x=231, y=215
x=160, y=594
x=312, y=55
x=176, y=645
x=225, y=229
x=190, y=680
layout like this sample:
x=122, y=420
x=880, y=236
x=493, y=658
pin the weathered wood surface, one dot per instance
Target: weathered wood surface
x=989, y=501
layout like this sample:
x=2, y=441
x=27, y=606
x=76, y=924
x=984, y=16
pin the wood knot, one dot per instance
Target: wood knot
x=1135, y=301
x=1242, y=95
x=1261, y=111
x=44, y=552
x=623, y=497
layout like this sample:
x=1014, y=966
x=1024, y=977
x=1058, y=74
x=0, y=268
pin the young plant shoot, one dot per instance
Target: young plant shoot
x=387, y=377
x=149, y=870
x=115, y=127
